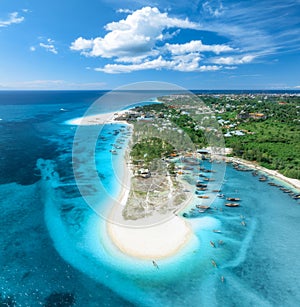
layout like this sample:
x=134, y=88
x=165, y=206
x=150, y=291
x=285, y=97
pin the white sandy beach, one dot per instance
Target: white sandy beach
x=150, y=238
x=98, y=119
x=293, y=182
x=220, y=154
x=162, y=239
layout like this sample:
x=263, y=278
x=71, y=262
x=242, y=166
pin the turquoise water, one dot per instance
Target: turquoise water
x=55, y=247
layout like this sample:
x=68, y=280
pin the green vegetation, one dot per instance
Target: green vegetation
x=150, y=149
x=273, y=142
x=274, y=145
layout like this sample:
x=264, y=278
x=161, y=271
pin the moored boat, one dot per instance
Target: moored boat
x=233, y=198
x=202, y=207
x=263, y=178
x=232, y=205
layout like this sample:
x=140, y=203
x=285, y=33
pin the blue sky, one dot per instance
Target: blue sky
x=103, y=44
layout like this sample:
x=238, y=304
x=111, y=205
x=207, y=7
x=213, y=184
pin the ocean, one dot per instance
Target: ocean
x=54, y=247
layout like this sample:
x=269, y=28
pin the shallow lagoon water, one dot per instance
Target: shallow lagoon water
x=52, y=242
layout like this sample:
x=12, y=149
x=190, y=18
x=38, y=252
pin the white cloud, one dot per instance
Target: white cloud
x=196, y=46
x=134, y=36
x=214, y=9
x=12, y=19
x=230, y=67
x=81, y=44
x=126, y=11
x=49, y=46
x=178, y=64
x=233, y=60
x=138, y=42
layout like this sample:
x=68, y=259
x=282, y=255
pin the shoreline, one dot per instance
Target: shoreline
x=97, y=119
x=152, y=238
x=147, y=238
x=295, y=183
x=137, y=238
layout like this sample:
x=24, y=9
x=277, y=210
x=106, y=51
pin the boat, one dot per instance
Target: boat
x=220, y=242
x=222, y=278
x=202, y=207
x=216, y=191
x=220, y=195
x=213, y=262
x=201, y=185
x=217, y=231
x=201, y=189
x=208, y=179
x=203, y=196
x=243, y=223
x=232, y=205
x=285, y=190
x=233, y=198
x=263, y=178
x=155, y=264
x=212, y=243
x=113, y=151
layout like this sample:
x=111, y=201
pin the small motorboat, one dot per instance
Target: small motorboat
x=203, y=196
x=212, y=244
x=202, y=207
x=233, y=198
x=201, y=185
x=220, y=195
x=217, y=231
x=243, y=223
x=263, y=178
x=213, y=262
x=232, y=205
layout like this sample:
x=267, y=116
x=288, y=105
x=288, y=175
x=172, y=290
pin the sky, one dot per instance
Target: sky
x=105, y=44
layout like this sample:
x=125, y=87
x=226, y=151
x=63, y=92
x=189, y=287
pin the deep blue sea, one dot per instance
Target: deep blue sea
x=54, y=250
